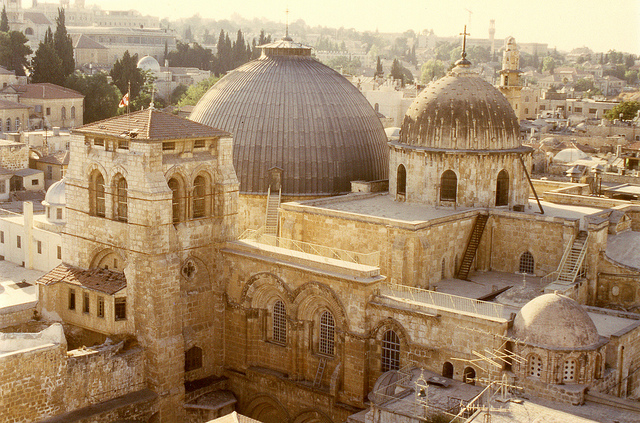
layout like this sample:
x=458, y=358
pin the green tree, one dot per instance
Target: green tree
x=46, y=65
x=188, y=35
x=400, y=72
x=195, y=92
x=4, y=20
x=583, y=84
x=101, y=98
x=628, y=110
x=125, y=71
x=178, y=93
x=631, y=77
x=379, y=70
x=63, y=45
x=548, y=64
x=432, y=69
x=145, y=96
x=14, y=51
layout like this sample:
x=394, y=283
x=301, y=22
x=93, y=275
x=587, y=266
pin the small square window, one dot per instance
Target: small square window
x=59, y=213
x=48, y=111
x=168, y=146
x=198, y=144
x=85, y=303
x=35, y=182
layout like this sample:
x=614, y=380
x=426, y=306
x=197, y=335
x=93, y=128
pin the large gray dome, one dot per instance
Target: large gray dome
x=461, y=111
x=287, y=110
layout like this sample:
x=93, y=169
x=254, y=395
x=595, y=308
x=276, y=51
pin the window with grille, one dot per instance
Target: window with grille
x=526, y=263
x=448, y=186
x=443, y=267
x=198, y=144
x=327, y=333
x=569, y=371
x=535, y=365
x=390, y=351
x=8, y=124
x=121, y=199
x=199, y=189
x=174, y=186
x=101, y=307
x=193, y=359
x=96, y=191
x=502, y=188
x=279, y=323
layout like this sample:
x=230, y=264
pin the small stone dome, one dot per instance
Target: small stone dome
x=570, y=155
x=149, y=63
x=55, y=195
x=555, y=321
x=461, y=111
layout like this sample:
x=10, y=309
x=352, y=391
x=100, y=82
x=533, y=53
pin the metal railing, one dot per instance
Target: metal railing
x=444, y=301
x=259, y=235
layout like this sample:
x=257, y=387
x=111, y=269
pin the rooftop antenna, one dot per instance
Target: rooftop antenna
x=286, y=36
x=470, y=13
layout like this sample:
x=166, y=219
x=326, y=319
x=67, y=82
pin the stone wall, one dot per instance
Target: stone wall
x=14, y=315
x=14, y=156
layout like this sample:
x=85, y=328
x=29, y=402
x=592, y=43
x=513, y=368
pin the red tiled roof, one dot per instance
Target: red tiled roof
x=44, y=90
x=103, y=280
x=151, y=124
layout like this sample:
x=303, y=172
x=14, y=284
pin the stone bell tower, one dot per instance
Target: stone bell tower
x=510, y=81
x=154, y=195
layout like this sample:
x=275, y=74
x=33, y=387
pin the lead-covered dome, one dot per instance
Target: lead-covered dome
x=287, y=110
x=557, y=322
x=461, y=111
x=149, y=63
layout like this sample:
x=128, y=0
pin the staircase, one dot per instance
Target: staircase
x=570, y=268
x=271, y=217
x=472, y=247
x=321, y=365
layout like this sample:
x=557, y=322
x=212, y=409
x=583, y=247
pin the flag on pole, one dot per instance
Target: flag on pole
x=125, y=101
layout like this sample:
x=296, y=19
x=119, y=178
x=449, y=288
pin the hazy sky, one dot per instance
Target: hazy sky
x=565, y=24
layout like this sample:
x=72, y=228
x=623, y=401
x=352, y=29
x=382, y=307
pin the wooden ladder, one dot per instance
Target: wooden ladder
x=472, y=247
x=321, y=365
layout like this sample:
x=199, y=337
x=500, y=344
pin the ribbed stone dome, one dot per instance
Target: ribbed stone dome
x=461, y=111
x=55, y=195
x=287, y=110
x=555, y=321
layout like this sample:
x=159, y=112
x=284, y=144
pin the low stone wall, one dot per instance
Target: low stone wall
x=580, y=200
x=569, y=394
x=14, y=315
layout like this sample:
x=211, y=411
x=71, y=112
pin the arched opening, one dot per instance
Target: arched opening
x=199, y=196
x=28, y=31
x=447, y=370
x=527, y=263
x=176, y=206
x=402, y=182
x=193, y=359
x=73, y=112
x=63, y=113
x=120, y=199
x=108, y=259
x=96, y=194
x=469, y=376
x=326, y=344
x=597, y=374
x=448, y=186
x=279, y=323
x=502, y=189
x=390, y=351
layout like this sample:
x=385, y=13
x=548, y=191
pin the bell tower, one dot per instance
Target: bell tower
x=510, y=82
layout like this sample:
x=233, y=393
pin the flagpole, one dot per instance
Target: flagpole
x=128, y=101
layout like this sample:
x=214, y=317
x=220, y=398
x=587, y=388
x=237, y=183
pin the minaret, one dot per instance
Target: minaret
x=510, y=84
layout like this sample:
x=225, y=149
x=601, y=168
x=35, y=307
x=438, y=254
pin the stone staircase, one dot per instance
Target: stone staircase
x=472, y=247
x=271, y=217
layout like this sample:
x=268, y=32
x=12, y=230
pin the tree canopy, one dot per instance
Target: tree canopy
x=46, y=65
x=125, y=70
x=14, y=51
x=63, y=45
x=4, y=20
x=195, y=92
x=432, y=69
x=628, y=110
x=100, y=97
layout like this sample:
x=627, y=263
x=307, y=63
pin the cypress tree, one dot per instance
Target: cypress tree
x=63, y=45
x=4, y=21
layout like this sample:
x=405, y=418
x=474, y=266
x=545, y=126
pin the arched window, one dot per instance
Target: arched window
x=376, y=107
x=570, y=369
x=526, y=110
x=534, y=365
x=120, y=199
x=73, y=112
x=193, y=359
x=447, y=370
x=279, y=323
x=502, y=188
x=390, y=351
x=327, y=333
x=176, y=208
x=8, y=124
x=96, y=194
x=448, y=186
x=402, y=180
x=469, y=376
x=527, y=263
x=28, y=31
x=199, y=196
x=63, y=112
